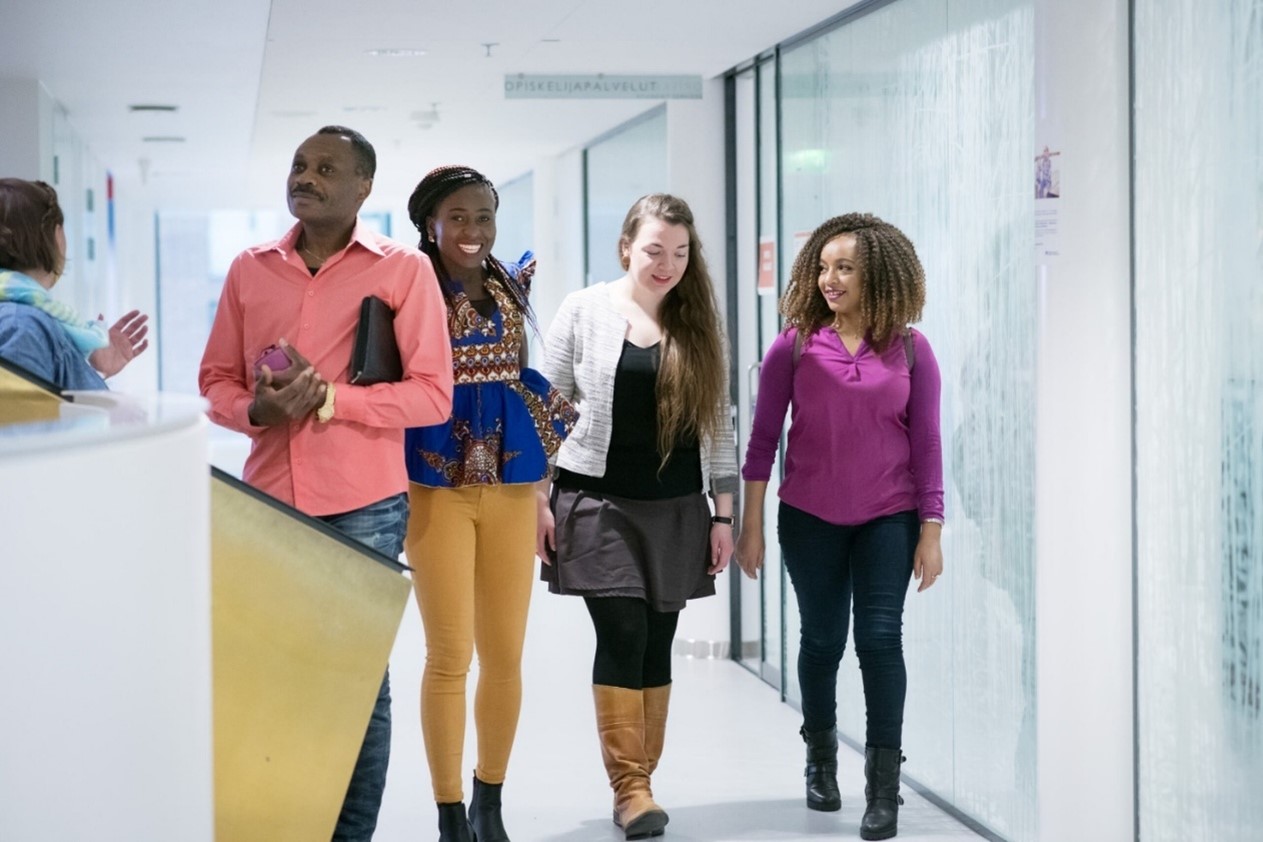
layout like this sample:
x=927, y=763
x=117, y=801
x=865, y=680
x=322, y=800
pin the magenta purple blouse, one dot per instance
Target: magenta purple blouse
x=864, y=434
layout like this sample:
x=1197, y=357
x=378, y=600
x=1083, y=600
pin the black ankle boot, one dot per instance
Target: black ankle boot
x=484, y=813
x=881, y=771
x=822, y=769
x=454, y=823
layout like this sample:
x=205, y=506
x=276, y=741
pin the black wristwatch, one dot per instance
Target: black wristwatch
x=721, y=519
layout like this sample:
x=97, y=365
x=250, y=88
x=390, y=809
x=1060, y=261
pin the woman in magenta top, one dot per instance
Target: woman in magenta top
x=861, y=506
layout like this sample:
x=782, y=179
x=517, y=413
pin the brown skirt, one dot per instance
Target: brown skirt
x=655, y=550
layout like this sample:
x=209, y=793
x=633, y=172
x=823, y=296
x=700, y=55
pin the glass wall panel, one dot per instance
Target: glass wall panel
x=515, y=220
x=775, y=581
x=620, y=169
x=922, y=112
x=749, y=646
x=1199, y=417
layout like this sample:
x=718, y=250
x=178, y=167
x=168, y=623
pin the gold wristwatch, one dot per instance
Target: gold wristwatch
x=325, y=413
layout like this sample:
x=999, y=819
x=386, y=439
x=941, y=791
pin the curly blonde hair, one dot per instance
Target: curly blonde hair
x=691, y=376
x=893, y=292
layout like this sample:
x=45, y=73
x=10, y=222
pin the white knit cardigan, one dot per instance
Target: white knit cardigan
x=581, y=353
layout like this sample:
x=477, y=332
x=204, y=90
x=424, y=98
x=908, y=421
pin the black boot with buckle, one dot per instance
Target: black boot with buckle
x=822, y=769
x=881, y=771
x=484, y=813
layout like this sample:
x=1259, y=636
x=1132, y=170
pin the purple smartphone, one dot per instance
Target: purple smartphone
x=274, y=357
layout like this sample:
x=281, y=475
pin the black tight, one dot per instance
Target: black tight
x=633, y=642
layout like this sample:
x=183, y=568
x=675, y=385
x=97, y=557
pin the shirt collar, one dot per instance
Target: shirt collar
x=361, y=234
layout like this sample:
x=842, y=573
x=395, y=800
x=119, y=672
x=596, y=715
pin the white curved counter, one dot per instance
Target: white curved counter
x=105, y=637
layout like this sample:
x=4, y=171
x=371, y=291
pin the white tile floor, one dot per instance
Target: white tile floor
x=732, y=768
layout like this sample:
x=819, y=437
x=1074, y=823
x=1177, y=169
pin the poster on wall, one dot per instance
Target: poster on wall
x=800, y=240
x=767, y=266
x=1047, y=204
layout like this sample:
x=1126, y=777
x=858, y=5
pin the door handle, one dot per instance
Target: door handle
x=752, y=383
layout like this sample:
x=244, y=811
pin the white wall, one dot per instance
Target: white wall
x=1083, y=485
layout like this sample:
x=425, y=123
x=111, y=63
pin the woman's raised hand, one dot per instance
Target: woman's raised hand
x=127, y=341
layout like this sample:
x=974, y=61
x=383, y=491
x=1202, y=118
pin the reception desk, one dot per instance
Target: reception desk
x=105, y=632
x=181, y=657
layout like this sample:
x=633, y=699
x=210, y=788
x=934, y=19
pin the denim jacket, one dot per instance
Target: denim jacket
x=35, y=341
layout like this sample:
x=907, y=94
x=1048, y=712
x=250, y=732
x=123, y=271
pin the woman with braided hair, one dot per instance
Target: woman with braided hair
x=472, y=522
x=861, y=506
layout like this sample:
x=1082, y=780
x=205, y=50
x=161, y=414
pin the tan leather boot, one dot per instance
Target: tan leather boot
x=620, y=721
x=657, y=700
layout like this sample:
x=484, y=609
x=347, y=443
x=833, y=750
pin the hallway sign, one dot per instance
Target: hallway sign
x=600, y=86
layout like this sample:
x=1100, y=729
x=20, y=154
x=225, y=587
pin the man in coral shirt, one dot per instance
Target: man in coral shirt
x=329, y=448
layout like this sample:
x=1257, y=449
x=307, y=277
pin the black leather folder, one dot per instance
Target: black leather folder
x=376, y=355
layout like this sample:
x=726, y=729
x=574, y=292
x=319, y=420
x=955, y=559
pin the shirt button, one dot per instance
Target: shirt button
x=310, y=293
x=299, y=461
x=306, y=326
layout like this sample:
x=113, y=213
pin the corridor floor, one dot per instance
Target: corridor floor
x=732, y=768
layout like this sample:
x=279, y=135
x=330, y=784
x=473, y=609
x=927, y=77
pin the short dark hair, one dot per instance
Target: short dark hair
x=29, y=217
x=365, y=155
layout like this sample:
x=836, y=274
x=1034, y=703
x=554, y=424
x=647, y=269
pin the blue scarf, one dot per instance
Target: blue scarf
x=87, y=336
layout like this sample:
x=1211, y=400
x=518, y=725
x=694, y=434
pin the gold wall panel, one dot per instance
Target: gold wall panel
x=303, y=627
x=23, y=402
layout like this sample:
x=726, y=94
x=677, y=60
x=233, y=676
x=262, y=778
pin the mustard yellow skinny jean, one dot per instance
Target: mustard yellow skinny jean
x=472, y=551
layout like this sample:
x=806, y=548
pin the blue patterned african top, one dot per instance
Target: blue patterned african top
x=507, y=421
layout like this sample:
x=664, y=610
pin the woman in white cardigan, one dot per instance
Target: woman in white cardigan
x=642, y=358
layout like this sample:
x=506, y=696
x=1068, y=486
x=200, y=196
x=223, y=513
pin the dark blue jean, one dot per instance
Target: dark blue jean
x=837, y=571
x=382, y=526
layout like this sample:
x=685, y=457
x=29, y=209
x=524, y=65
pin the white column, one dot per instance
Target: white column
x=26, y=111
x=695, y=173
x=1083, y=485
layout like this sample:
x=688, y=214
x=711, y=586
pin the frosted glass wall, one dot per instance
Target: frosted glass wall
x=515, y=220
x=922, y=112
x=1199, y=416
x=619, y=169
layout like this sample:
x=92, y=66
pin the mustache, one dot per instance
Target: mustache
x=304, y=191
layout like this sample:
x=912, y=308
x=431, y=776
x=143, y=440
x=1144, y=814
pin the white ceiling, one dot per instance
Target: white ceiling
x=253, y=78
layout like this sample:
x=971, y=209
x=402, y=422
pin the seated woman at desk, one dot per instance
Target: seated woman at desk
x=38, y=333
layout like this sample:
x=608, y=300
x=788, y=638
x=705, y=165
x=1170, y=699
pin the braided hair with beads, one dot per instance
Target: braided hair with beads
x=437, y=185
x=893, y=293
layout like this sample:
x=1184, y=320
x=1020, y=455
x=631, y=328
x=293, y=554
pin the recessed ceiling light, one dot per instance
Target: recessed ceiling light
x=170, y=138
x=394, y=52
x=550, y=40
x=152, y=107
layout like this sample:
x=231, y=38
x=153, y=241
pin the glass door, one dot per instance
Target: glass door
x=762, y=621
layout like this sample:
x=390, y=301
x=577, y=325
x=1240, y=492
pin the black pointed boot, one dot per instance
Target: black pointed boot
x=881, y=771
x=484, y=813
x=454, y=823
x=822, y=769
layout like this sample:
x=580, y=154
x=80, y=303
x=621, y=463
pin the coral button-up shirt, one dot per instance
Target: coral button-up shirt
x=357, y=458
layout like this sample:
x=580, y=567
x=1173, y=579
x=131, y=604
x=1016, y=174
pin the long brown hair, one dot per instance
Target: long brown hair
x=691, y=375
x=893, y=292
